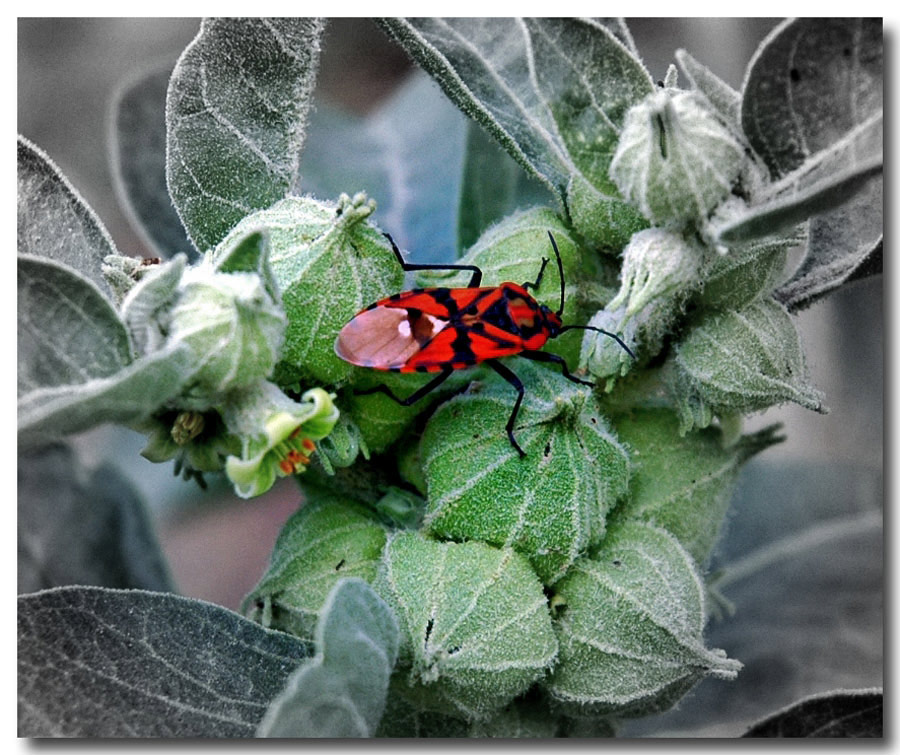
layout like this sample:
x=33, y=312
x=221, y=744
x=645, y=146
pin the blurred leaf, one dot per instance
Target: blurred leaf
x=493, y=186
x=407, y=155
x=553, y=92
x=857, y=713
x=95, y=662
x=721, y=96
x=340, y=692
x=812, y=81
x=54, y=222
x=138, y=137
x=825, y=181
x=236, y=117
x=80, y=527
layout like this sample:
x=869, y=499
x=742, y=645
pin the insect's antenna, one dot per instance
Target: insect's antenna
x=562, y=277
x=618, y=340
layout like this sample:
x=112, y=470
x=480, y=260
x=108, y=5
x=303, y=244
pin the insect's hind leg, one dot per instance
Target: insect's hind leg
x=413, y=397
x=510, y=377
x=545, y=356
x=410, y=267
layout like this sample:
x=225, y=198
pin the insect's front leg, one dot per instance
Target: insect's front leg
x=410, y=267
x=412, y=398
x=545, y=356
x=510, y=377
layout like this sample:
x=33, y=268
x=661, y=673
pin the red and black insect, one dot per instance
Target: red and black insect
x=446, y=329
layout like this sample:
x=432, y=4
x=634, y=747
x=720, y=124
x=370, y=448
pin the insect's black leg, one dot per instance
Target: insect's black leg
x=510, y=377
x=409, y=267
x=545, y=356
x=412, y=398
x=537, y=283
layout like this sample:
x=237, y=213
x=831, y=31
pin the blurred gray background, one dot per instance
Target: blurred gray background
x=68, y=71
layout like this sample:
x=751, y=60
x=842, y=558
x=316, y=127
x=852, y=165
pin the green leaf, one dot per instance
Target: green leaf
x=54, y=221
x=236, y=118
x=249, y=254
x=340, y=692
x=68, y=331
x=82, y=527
x=553, y=92
x=548, y=505
x=740, y=361
x=474, y=621
x=682, y=483
x=812, y=81
x=138, y=157
x=330, y=538
x=407, y=154
x=95, y=662
x=131, y=395
x=844, y=714
x=493, y=186
x=630, y=626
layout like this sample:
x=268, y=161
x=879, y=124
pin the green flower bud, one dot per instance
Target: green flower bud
x=328, y=539
x=233, y=325
x=682, y=483
x=657, y=265
x=401, y=508
x=329, y=263
x=277, y=435
x=630, y=627
x=548, y=505
x=342, y=445
x=198, y=442
x=739, y=361
x=474, y=619
x=676, y=160
x=601, y=355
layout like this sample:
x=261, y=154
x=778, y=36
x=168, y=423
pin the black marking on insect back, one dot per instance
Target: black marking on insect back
x=498, y=316
x=444, y=297
x=462, y=349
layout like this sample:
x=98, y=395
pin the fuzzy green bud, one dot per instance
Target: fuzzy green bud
x=329, y=263
x=676, y=160
x=630, y=627
x=474, y=619
x=549, y=505
x=233, y=325
x=330, y=538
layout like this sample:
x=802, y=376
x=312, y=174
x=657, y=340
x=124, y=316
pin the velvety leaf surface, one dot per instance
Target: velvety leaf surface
x=139, y=162
x=54, y=221
x=82, y=527
x=858, y=713
x=723, y=98
x=341, y=691
x=95, y=662
x=236, y=116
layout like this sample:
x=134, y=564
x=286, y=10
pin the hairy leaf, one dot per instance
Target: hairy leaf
x=68, y=332
x=340, y=692
x=474, y=619
x=82, y=527
x=722, y=97
x=844, y=714
x=630, y=626
x=54, y=221
x=95, y=662
x=812, y=81
x=553, y=92
x=138, y=154
x=236, y=117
